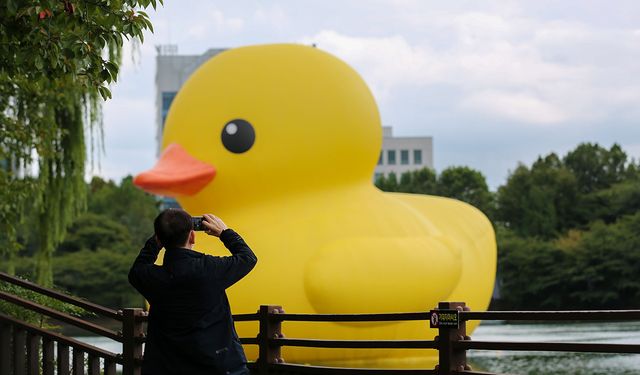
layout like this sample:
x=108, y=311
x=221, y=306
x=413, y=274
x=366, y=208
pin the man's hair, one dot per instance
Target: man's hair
x=172, y=227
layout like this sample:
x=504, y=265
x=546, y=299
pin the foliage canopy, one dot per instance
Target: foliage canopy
x=57, y=59
x=94, y=259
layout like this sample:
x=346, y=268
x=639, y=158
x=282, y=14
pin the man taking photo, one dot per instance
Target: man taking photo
x=190, y=327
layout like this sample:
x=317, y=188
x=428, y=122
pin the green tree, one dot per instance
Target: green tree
x=461, y=183
x=125, y=204
x=609, y=204
x=56, y=60
x=99, y=276
x=94, y=231
x=595, y=167
x=467, y=185
x=420, y=181
x=389, y=183
x=532, y=273
x=575, y=221
x=606, y=266
x=541, y=201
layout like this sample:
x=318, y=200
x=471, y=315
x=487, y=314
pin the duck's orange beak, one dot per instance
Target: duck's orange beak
x=176, y=173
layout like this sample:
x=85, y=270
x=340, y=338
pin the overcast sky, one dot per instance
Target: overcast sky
x=494, y=82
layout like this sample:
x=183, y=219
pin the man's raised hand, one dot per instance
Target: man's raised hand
x=214, y=226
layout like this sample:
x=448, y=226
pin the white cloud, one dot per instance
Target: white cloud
x=273, y=16
x=515, y=106
x=384, y=62
x=522, y=69
x=213, y=20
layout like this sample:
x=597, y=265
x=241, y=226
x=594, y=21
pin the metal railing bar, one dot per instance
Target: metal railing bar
x=552, y=315
x=67, y=341
x=548, y=346
x=48, y=357
x=63, y=357
x=365, y=318
x=369, y=344
x=305, y=369
x=63, y=317
x=237, y=317
x=109, y=367
x=33, y=353
x=249, y=340
x=246, y=317
x=89, y=306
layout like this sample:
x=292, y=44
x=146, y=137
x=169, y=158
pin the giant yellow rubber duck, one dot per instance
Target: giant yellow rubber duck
x=281, y=141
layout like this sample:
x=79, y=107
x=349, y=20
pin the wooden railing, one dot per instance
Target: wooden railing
x=459, y=342
x=452, y=342
x=26, y=349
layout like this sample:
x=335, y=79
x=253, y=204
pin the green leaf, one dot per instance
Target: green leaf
x=12, y=7
x=104, y=92
x=38, y=62
x=68, y=53
x=106, y=76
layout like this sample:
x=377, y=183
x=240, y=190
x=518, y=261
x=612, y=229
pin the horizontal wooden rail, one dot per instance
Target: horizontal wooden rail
x=63, y=317
x=471, y=372
x=304, y=369
x=587, y=315
x=548, y=346
x=249, y=340
x=95, y=308
x=367, y=344
x=246, y=317
x=90, y=349
x=237, y=317
x=363, y=318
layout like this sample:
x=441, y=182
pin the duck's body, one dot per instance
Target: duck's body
x=301, y=194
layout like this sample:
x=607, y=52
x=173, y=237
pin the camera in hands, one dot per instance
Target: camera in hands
x=197, y=223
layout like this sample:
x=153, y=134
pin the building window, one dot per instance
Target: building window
x=417, y=157
x=391, y=157
x=404, y=156
x=380, y=158
x=167, y=99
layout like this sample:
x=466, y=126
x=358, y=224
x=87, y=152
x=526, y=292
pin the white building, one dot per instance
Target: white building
x=398, y=154
x=403, y=154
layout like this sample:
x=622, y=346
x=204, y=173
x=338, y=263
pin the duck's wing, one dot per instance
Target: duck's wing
x=474, y=234
x=384, y=274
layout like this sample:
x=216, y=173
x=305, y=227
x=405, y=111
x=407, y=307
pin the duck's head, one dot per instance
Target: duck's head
x=261, y=121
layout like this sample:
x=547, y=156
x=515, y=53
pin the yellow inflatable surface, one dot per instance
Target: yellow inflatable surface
x=281, y=142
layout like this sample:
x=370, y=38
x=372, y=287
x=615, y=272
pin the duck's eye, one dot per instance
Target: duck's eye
x=238, y=136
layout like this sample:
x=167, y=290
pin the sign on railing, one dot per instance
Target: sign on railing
x=444, y=318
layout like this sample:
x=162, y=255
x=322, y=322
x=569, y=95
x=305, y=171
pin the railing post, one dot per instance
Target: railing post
x=132, y=333
x=451, y=359
x=269, y=328
x=19, y=351
x=5, y=348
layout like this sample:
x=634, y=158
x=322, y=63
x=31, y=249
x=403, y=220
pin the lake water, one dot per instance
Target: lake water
x=548, y=363
x=534, y=363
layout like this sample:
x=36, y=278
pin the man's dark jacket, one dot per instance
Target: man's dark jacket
x=190, y=329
